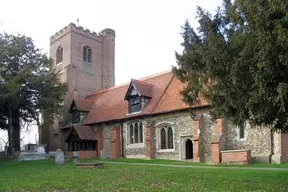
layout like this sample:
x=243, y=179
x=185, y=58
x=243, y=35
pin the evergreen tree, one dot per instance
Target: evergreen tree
x=28, y=86
x=237, y=60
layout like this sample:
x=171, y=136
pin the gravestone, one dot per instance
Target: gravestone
x=76, y=157
x=59, y=157
x=103, y=154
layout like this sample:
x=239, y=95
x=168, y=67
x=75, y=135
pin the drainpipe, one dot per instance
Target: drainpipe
x=272, y=145
x=122, y=140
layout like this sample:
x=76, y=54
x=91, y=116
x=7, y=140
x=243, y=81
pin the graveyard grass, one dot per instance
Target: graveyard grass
x=44, y=175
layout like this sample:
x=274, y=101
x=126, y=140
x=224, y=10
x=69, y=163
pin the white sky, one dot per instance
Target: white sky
x=147, y=32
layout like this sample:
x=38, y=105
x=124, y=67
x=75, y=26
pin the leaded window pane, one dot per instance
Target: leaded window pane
x=134, y=104
x=136, y=133
x=163, y=138
x=85, y=54
x=170, y=138
x=89, y=55
x=75, y=117
x=135, y=108
x=131, y=133
x=242, y=130
x=141, y=132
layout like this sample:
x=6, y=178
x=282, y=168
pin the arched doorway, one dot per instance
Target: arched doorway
x=189, y=149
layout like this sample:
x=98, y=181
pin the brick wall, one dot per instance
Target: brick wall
x=236, y=156
x=149, y=144
x=84, y=154
x=196, y=148
x=284, y=144
x=216, y=141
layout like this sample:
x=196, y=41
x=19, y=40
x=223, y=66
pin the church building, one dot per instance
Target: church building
x=144, y=118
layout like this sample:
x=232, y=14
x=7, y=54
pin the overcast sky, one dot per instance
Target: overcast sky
x=147, y=32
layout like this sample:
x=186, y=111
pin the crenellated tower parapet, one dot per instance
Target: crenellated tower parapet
x=80, y=30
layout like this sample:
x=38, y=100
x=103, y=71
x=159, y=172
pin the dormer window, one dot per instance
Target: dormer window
x=79, y=109
x=134, y=104
x=78, y=116
x=75, y=117
x=137, y=95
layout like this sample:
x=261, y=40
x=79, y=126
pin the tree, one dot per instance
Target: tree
x=29, y=85
x=237, y=60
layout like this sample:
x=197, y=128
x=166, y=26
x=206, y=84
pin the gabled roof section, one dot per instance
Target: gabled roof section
x=162, y=89
x=141, y=87
x=84, y=132
x=82, y=104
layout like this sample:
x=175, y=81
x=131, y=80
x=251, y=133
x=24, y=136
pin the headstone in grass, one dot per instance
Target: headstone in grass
x=76, y=157
x=103, y=154
x=59, y=157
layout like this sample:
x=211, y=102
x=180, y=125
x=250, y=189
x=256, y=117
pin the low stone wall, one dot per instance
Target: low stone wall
x=84, y=154
x=236, y=156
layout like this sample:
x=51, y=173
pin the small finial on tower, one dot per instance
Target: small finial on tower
x=77, y=22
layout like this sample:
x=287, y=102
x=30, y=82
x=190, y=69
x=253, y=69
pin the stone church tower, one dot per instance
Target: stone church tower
x=86, y=62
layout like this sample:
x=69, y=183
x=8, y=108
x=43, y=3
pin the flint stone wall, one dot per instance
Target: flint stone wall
x=257, y=139
x=182, y=125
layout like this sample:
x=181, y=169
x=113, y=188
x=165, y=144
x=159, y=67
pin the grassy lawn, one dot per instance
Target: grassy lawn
x=46, y=176
x=175, y=162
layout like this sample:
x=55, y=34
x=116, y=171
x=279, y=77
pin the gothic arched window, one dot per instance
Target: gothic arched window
x=59, y=55
x=163, y=139
x=87, y=54
x=141, y=131
x=135, y=131
x=170, y=138
x=166, y=137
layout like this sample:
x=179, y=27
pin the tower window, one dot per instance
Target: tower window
x=87, y=53
x=59, y=55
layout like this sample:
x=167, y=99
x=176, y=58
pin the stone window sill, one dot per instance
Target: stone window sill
x=135, y=145
x=242, y=139
x=165, y=150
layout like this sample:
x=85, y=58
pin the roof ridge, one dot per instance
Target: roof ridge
x=124, y=84
x=155, y=75
x=107, y=89
x=163, y=93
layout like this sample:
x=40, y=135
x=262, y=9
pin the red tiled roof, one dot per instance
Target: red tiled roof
x=109, y=104
x=84, y=132
x=144, y=88
x=83, y=104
